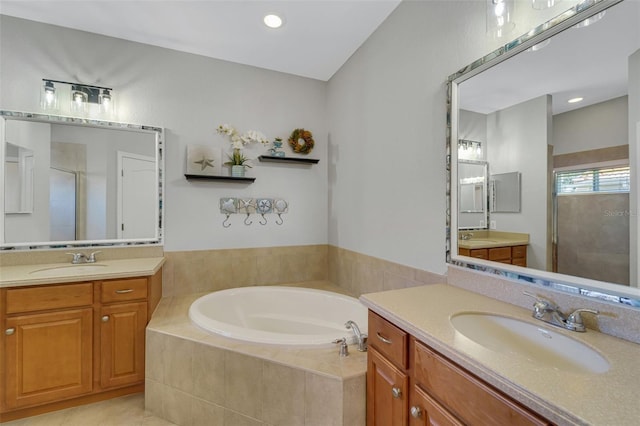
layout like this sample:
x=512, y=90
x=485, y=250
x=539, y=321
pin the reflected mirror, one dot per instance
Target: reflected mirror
x=79, y=182
x=505, y=192
x=18, y=166
x=472, y=194
x=565, y=115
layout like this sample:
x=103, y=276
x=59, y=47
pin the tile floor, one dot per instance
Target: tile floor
x=124, y=411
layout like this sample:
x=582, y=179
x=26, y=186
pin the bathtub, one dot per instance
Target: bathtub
x=279, y=315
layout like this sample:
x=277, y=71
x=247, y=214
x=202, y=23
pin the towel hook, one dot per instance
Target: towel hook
x=226, y=222
x=265, y=220
x=279, y=220
x=246, y=219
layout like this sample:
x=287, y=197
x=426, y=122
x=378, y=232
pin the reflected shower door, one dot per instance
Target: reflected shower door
x=62, y=205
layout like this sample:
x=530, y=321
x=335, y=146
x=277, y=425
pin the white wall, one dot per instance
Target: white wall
x=518, y=138
x=601, y=125
x=189, y=96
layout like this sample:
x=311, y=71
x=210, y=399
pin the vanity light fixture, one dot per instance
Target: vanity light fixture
x=469, y=150
x=499, y=17
x=48, y=96
x=81, y=96
x=575, y=100
x=272, y=21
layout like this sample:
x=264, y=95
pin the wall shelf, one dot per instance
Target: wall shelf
x=272, y=159
x=221, y=178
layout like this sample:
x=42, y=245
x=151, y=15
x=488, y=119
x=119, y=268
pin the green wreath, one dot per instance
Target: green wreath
x=301, y=141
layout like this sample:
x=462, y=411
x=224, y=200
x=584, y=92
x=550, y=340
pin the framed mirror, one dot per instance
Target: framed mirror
x=505, y=192
x=572, y=155
x=78, y=182
x=472, y=194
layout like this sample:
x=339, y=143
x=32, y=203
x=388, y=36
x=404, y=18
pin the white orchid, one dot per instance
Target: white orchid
x=254, y=136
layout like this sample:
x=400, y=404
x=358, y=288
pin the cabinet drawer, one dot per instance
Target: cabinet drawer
x=479, y=253
x=500, y=253
x=32, y=299
x=122, y=290
x=519, y=252
x=391, y=341
x=467, y=397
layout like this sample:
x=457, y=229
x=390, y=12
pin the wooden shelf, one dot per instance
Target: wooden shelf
x=272, y=159
x=221, y=178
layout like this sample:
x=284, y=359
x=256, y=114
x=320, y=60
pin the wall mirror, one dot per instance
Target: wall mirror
x=572, y=157
x=18, y=171
x=78, y=182
x=472, y=194
x=505, y=192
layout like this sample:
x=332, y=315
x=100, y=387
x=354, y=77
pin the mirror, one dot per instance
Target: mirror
x=78, y=182
x=18, y=166
x=505, y=192
x=472, y=194
x=514, y=101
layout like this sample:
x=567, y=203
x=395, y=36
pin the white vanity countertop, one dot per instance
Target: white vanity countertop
x=53, y=273
x=566, y=398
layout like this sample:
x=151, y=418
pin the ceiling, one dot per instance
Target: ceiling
x=589, y=62
x=317, y=38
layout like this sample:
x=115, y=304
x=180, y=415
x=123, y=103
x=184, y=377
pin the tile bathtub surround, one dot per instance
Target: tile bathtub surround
x=360, y=274
x=187, y=272
x=614, y=319
x=192, y=376
x=33, y=257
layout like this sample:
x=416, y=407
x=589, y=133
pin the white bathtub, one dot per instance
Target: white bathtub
x=279, y=315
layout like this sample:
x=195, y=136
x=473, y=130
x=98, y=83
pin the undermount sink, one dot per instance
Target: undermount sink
x=69, y=269
x=536, y=344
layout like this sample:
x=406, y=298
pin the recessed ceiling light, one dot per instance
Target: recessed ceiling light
x=574, y=100
x=273, y=21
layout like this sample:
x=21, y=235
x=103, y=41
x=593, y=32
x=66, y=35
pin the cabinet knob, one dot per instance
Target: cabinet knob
x=396, y=392
x=416, y=412
x=9, y=331
x=105, y=318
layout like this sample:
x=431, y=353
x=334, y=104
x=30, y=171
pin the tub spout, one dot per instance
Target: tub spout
x=360, y=337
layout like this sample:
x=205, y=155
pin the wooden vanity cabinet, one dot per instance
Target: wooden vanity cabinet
x=68, y=344
x=48, y=344
x=122, y=322
x=514, y=255
x=439, y=391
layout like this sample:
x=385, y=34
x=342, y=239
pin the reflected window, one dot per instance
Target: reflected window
x=589, y=181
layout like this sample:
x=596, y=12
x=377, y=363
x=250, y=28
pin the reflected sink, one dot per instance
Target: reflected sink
x=68, y=270
x=536, y=344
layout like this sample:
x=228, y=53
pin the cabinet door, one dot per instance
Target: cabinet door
x=122, y=333
x=387, y=388
x=49, y=357
x=425, y=411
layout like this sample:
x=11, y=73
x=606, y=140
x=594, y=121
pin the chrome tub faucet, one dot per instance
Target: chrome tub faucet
x=360, y=337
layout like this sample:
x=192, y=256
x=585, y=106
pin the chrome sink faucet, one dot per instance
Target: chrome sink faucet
x=547, y=311
x=466, y=236
x=83, y=258
x=361, y=337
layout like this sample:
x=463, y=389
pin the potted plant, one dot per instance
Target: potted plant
x=237, y=160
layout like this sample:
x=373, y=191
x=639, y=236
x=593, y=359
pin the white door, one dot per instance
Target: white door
x=137, y=196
